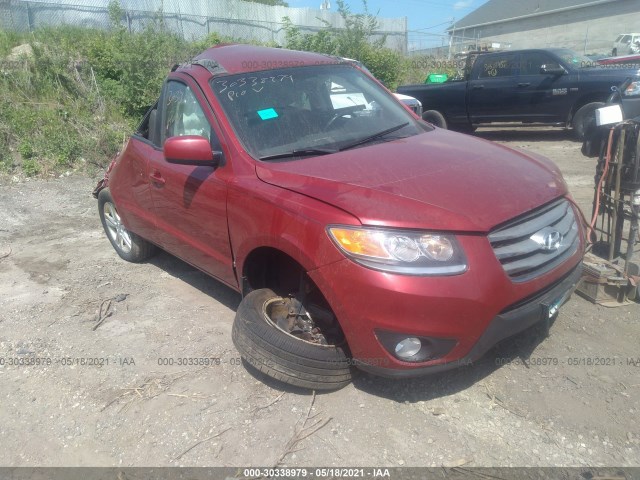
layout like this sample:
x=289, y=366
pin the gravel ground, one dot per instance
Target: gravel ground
x=571, y=399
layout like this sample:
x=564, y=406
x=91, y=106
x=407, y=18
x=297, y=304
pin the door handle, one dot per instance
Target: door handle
x=478, y=87
x=156, y=179
x=523, y=85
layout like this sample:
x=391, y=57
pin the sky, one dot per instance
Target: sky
x=427, y=20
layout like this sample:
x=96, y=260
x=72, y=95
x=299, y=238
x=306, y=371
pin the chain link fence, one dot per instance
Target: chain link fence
x=192, y=19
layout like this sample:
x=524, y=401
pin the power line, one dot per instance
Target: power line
x=448, y=22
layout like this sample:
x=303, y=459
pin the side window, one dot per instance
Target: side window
x=183, y=113
x=531, y=63
x=148, y=128
x=498, y=66
x=626, y=39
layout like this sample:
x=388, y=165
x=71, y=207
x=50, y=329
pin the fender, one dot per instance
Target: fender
x=284, y=220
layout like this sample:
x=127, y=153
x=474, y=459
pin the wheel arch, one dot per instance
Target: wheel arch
x=272, y=268
x=586, y=99
x=265, y=265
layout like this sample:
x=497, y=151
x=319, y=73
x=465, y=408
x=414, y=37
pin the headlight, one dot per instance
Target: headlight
x=632, y=90
x=401, y=251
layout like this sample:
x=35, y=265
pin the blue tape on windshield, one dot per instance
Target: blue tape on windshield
x=267, y=114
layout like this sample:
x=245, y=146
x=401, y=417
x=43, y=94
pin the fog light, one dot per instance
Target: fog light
x=408, y=347
x=414, y=349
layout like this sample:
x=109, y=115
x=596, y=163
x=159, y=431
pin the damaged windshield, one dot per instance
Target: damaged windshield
x=310, y=111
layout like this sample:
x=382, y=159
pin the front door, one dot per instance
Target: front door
x=492, y=93
x=190, y=202
x=543, y=97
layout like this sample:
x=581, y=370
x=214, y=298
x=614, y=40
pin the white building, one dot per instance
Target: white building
x=587, y=26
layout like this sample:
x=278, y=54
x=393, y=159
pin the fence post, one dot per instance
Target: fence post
x=29, y=17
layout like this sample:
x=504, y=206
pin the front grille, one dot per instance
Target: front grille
x=519, y=245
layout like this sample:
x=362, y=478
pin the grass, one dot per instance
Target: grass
x=70, y=102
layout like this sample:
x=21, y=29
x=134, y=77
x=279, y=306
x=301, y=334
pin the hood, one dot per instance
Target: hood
x=437, y=180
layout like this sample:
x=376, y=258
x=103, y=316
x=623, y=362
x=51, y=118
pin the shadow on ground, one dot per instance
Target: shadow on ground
x=411, y=390
x=519, y=347
x=197, y=279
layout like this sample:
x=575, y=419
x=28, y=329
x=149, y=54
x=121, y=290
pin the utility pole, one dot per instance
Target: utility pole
x=453, y=33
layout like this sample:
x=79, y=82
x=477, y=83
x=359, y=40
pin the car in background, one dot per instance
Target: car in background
x=633, y=60
x=626, y=43
x=413, y=103
x=553, y=86
x=627, y=95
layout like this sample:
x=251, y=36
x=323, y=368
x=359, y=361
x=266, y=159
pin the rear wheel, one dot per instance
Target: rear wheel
x=278, y=336
x=128, y=245
x=585, y=116
x=435, y=118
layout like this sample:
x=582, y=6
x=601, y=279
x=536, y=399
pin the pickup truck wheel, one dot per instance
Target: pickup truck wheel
x=614, y=52
x=434, y=118
x=583, y=117
x=292, y=356
x=128, y=245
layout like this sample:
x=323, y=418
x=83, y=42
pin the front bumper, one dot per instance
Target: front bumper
x=511, y=321
x=474, y=310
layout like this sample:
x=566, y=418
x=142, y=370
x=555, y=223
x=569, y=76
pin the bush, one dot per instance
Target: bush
x=72, y=101
x=30, y=167
x=6, y=162
x=52, y=111
x=355, y=41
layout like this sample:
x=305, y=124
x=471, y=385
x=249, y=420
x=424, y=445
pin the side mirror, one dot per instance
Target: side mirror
x=191, y=150
x=552, y=69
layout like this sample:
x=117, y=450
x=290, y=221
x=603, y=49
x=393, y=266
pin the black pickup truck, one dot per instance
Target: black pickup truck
x=546, y=86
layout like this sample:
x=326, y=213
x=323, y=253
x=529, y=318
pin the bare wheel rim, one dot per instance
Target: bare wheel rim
x=115, y=229
x=265, y=312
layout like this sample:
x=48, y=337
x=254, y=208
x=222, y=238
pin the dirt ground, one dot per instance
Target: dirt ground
x=575, y=402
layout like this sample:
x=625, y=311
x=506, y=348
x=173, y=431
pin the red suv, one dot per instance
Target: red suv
x=358, y=234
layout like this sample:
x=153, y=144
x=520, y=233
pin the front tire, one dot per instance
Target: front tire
x=435, y=118
x=282, y=356
x=128, y=245
x=584, y=117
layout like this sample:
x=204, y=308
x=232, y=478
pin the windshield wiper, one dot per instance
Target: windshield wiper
x=305, y=152
x=374, y=136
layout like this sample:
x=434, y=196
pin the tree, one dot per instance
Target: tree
x=357, y=40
